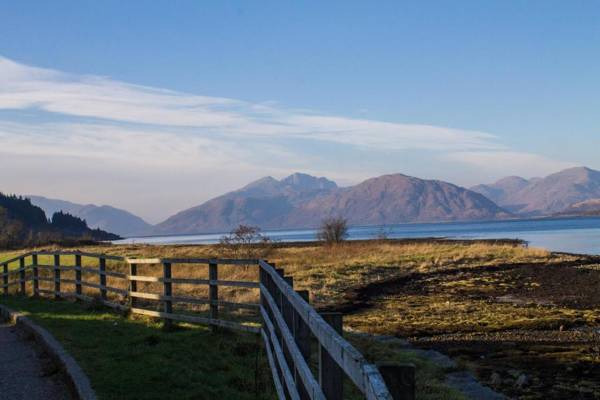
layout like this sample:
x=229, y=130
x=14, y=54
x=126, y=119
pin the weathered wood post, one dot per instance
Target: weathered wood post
x=57, y=276
x=78, y=275
x=331, y=376
x=5, y=278
x=400, y=380
x=213, y=291
x=132, y=284
x=23, y=289
x=168, y=293
x=102, y=277
x=36, y=275
x=302, y=337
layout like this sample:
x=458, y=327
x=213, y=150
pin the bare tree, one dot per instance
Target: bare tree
x=333, y=230
x=245, y=242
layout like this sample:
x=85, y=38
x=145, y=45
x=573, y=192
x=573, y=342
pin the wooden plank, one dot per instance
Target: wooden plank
x=149, y=296
x=244, y=284
x=195, y=320
x=122, y=292
x=143, y=260
x=364, y=375
x=331, y=375
x=186, y=281
x=17, y=258
x=102, y=276
x=41, y=279
x=213, y=290
x=78, y=274
x=223, y=261
x=22, y=287
x=35, y=282
x=57, y=276
x=301, y=333
x=141, y=278
x=288, y=377
x=191, y=300
x=167, y=292
x=310, y=383
x=132, y=284
x=272, y=366
x=74, y=253
x=107, y=273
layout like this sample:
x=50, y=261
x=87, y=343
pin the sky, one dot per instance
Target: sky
x=158, y=106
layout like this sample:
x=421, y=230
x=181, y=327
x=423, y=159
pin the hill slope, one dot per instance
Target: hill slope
x=302, y=201
x=107, y=218
x=546, y=196
x=24, y=224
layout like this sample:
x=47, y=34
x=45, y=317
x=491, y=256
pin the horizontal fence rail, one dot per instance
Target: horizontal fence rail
x=306, y=351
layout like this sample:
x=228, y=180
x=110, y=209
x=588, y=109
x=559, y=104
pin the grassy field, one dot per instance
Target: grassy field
x=501, y=310
x=134, y=358
x=430, y=377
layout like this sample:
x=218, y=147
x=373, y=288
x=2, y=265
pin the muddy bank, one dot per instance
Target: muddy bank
x=530, y=331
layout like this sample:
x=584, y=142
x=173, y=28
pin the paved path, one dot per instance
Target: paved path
x=23, y=374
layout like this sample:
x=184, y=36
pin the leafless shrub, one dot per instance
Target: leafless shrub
x=245, y=242
x=333, y=230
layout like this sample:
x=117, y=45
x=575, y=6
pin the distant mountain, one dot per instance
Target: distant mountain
x=266, y=202
x=500, y=191
x=301, y=201
x=544, y=196
x=106, y=218
x=583, y=208
x=24, y=224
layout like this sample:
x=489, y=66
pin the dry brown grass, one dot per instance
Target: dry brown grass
x=326, y=271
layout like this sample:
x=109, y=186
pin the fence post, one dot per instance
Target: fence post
x=102, y=276
x=5, y=278
x=213, y=291
x=22, y=276
x=57, y=276
x=132, y=284
x=400, y=380
x=302, y=337
x=36, y=275
x=167, y=292
x=331, y=375
x=78, y=275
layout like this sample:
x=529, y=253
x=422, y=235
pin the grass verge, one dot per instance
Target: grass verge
x=136, y=359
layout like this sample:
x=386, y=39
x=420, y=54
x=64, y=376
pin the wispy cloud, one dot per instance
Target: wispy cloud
x=25, y=87
x=95, y=123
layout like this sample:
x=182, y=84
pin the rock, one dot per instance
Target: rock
x=522, y=381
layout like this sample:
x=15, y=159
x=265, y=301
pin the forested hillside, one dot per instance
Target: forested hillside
x=23, y=224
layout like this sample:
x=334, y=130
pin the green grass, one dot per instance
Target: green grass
x=137, y=359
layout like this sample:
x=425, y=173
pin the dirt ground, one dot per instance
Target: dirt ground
x=530, y=331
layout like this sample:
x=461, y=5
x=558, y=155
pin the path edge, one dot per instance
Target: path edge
x=76, y=378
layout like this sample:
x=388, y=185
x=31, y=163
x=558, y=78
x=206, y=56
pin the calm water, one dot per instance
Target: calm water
x=573, y=235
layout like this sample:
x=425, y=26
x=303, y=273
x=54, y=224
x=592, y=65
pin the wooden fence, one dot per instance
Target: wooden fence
x=307, y=354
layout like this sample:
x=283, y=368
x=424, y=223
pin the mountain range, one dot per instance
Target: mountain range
x=302, y=201
x=107, y=218
x=544, y=196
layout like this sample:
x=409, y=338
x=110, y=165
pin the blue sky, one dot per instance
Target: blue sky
x=157, y=106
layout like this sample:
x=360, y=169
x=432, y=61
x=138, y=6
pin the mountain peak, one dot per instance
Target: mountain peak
x=303, y=181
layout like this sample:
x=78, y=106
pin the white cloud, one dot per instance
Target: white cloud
x=155, y=151
x=25, y=87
